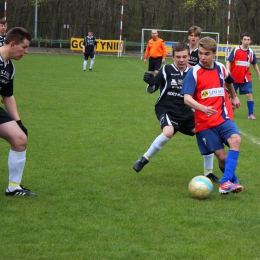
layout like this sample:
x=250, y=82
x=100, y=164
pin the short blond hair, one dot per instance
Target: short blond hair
x=208, y=43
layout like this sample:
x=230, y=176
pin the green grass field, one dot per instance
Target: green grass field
x=86, y=129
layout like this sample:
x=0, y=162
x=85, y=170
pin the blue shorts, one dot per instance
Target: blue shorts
x=214, y=139
x=244, y=88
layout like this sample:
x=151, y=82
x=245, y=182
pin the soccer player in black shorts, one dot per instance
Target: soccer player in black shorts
x=89, y=50
x=11, y=127
x=173, y=115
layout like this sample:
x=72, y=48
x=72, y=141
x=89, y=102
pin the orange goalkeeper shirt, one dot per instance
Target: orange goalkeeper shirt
x=155, y=49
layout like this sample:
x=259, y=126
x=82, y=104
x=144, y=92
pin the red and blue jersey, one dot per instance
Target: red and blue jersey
x=207, y=87
x=240, y=61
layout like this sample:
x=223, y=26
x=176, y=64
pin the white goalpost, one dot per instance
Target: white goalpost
x=172, y=37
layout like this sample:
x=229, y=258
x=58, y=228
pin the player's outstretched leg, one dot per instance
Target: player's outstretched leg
x=159, y=142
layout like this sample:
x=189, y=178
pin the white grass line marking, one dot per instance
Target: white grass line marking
x=249, y=137
x=136, y=65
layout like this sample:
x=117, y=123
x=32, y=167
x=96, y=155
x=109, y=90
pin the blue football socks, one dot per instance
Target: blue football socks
x=230, y=167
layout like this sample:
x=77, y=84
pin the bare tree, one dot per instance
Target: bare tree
x=103, y=16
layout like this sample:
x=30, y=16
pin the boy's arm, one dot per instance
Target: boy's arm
x=164, y=52
x=11, y=107
x=233, y=96
x=228, y=66
x=229, y=59
x=147, y=50
x=191, y=102
x=153, y=82
x=257, y=70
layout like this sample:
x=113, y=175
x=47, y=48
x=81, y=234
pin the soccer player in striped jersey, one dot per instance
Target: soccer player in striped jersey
x=238, y=64
x=173, y=115
x=194, y=33
x=204, y=90
x=11, y=128
x=89, y=50
x=3, y=28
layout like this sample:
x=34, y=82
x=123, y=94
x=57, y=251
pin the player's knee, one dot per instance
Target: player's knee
x=234, y=142
x=168, y=131
x=22, y=139
x=19, y=143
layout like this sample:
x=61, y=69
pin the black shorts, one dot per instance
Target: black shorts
x=4, y=116
x=89, y=54
x=154, y=63
x=182, y=122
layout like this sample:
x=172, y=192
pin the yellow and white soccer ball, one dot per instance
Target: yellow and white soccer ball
x=200, y=187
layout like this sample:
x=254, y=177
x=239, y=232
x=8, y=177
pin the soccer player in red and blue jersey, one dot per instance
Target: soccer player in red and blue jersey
x=238, y=64
x=194, y=34
x=204, y=89
x=173, y=115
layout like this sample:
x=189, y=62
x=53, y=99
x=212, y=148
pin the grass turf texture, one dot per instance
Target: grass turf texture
x=86, y=129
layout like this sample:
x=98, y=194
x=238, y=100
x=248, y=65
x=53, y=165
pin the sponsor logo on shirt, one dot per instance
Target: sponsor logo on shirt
x=174, y=94
x=173, y=82
x=194, y=58
x=4, y=77
x=213, y=92
x=242, y=63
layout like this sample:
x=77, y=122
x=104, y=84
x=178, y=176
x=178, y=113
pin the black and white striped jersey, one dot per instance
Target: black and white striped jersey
x=194, y=57
x=2, y=40
x=170, y=80
x=89, y=43
x=6, y=77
